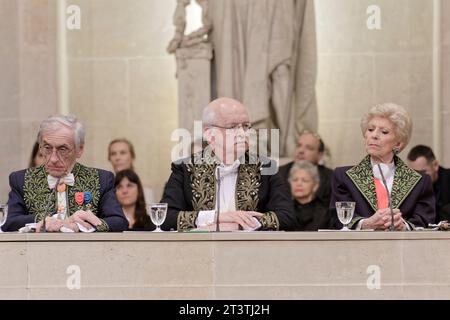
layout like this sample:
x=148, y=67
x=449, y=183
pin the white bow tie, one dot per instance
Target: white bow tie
x=68, y=179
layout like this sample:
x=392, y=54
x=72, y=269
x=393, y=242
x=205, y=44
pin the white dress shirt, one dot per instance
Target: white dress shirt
x=388, y=170
x=227, y=197
x=61, y=197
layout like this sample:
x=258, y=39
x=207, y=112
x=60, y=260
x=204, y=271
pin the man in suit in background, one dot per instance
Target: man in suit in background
x=310, y=147
x=63, y=193
x=422, y=158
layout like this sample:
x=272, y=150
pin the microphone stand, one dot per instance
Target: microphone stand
x=218, y=200
x=391, y=227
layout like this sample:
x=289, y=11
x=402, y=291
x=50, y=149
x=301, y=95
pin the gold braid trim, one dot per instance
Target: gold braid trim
x=103, y=227
x=186, y=220
x=269, y=221
x=203, y=186
x=247, y=187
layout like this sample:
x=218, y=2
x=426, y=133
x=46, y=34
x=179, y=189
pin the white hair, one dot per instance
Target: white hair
x=56, y=122
x=209, y=116
x=308, y=167
x=394, y=113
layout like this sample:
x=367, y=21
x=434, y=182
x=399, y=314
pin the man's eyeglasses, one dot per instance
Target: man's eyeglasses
x=243, y=126
x=62, y=151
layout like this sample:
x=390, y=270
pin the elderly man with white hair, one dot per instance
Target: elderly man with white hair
x=225, y=186
x=62, y=194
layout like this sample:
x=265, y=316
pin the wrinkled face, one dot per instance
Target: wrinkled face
x=380, y=139
x=308, y=148
x=58, y=149
x=422, y=164
x=127, y=192
x=38, y=159
x=303, y=186
x=229, y=134
x=120, y=156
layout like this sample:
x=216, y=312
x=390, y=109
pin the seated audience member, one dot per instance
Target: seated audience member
x=121, y=154
x=311, y=214
x=421, y=158
x=226, y=177
x=63, y=192
x=130, y=195
x=310, y=147
x=386, y=129
x=36, y=158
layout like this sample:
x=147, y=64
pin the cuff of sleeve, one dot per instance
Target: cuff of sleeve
x=269, y=221
x=186, y=220
x=205, y=218
x=354, y=222
x=359, y=224
x=409, y=225
x=103, y=227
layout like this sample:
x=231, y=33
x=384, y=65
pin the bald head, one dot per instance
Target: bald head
x=225, y=126
x=225, y=112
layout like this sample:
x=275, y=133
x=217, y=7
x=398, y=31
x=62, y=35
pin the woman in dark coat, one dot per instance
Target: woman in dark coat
x=382, y=181
x=304, y=180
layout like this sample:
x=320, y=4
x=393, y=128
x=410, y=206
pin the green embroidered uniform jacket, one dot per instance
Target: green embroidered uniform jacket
x=412, y=193
x=31, y=198
x=192, y=188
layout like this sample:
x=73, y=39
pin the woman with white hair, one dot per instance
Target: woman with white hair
x=304, y=180
x=382, y=181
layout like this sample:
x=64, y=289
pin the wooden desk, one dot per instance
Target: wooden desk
x=258, y=265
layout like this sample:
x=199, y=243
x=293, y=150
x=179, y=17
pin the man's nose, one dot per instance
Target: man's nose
x=54, y=157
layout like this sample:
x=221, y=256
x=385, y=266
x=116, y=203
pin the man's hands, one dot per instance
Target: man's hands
x=85, y=218
x=51, y=224
x=245, y=219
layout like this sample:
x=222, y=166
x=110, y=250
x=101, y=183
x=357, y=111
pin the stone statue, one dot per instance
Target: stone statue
x=260, y=52
x=193, y=53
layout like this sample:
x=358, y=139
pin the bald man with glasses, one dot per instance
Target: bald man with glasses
x=226, y=187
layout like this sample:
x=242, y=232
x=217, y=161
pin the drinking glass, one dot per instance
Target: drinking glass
x=345, y=210
x=158, y=212
x=3, y=214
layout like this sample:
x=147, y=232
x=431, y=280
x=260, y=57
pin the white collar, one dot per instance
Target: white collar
x=387, y=168
x=228, y=169
x=68, y=179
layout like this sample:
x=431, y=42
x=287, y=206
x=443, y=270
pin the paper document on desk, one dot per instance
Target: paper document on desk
x=31, y=227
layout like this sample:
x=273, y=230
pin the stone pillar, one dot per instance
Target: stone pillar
x=194, y=83
x=27, y=80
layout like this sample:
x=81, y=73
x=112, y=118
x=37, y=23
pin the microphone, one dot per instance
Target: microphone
x=391, y=228
x=216, y=218
x=47, y=207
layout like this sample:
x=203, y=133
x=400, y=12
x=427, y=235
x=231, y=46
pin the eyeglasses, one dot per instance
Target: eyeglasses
x=62, y=151
x=244, y=126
